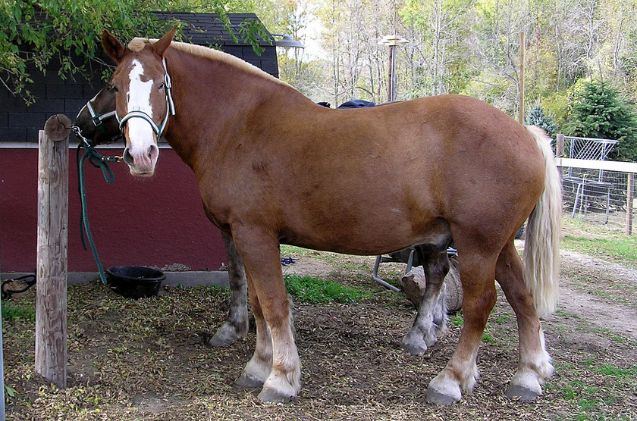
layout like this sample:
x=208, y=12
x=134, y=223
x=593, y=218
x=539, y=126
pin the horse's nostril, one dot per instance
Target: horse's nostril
x=153, y=151
x=128, y=158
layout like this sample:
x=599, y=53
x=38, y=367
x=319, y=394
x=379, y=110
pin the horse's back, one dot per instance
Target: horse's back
x=408, y=169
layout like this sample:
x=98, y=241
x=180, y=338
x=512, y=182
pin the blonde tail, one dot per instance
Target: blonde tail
x=542, y=247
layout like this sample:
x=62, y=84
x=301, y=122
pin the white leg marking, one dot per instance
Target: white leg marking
x=533, y=369
x=260, y=365
x=444, y=384
x=284, y=381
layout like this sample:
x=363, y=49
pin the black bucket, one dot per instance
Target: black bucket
x=135, y=281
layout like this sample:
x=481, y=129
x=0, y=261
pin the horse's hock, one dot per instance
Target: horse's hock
x=413, y=285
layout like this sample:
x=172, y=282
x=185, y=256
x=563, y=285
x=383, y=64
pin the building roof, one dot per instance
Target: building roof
x=207, y=29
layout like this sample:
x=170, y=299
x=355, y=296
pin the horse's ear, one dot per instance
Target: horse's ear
x=160, y=46
x=112, y=47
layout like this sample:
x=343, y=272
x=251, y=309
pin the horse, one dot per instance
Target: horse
x=272, y=167
x=97, y=123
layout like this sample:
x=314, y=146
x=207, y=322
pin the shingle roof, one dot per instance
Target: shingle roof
x=207, y=29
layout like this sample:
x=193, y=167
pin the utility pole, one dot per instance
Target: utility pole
x=521, y=79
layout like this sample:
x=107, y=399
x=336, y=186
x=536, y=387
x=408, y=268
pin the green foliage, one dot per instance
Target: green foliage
x=39, y=33
x=309, y=289
x=537, y=117
x=11, y=392
x=598, y=110
x=556, y=105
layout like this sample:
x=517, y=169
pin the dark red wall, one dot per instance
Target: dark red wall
x=158, y=221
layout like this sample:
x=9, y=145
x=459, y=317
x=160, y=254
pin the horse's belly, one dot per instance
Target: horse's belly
x=367, y=233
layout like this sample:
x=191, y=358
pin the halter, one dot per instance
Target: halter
x=98, y=119
x=170, y=105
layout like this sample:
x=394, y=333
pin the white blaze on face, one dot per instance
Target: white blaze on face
x=140, y=133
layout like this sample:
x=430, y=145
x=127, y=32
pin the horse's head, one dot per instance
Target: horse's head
x=96, y=120
x=142, y=97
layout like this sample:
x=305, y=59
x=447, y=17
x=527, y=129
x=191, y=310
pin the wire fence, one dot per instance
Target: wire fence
x=597, y=196
x=593, y=188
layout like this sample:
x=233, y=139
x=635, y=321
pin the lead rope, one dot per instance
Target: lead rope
x=99, y=161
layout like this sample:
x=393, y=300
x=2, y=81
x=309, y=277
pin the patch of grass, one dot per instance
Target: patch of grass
x=12, y=311
x=457, y=320
x=614, y=246
x=503, y=318
x=310, y=289
x=619, y=372
x=613, y=336
x=488, y=338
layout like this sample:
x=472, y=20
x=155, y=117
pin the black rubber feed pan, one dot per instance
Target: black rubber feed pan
x=135, y=281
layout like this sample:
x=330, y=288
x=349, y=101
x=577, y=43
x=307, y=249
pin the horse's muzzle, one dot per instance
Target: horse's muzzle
x=141, y=163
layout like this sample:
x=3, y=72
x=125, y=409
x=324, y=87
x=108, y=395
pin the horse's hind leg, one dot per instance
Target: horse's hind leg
x=236, y=325
x=535, y=363
x=431, y=321
x=477, y=274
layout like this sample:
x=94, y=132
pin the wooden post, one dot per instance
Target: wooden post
x=521, y=81
x=629, y=203
x=559, y=146
x=53, y=191
x=391, y=86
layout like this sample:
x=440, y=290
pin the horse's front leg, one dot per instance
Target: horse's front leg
x=236, y=325
x=282, y=381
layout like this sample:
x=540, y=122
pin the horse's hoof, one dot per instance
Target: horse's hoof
x=226, y=335
x=248, y=382
x=521, y=393
x=271, y=395
x=222, y=339
x=414, y=344
x=437, y=398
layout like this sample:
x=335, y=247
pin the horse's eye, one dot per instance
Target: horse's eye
x=161, y=86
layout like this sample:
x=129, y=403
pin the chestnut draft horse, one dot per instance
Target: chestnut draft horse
x=97, y=124
x=273, y=167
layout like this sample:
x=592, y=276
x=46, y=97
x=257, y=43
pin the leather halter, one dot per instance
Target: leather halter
x=170, y=105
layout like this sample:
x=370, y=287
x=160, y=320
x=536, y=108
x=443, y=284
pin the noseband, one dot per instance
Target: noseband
x=170, y=105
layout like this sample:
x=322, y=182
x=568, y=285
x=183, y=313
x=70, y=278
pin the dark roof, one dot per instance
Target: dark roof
x=207, y=29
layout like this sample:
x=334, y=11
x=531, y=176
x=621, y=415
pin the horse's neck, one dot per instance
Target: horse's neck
x=212, y=101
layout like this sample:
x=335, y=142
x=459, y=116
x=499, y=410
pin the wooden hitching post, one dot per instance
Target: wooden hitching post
x=629, y=203
x=53, y=191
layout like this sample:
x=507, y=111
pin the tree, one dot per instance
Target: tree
x=537, y=117
x=598, y=110
x=37, y=32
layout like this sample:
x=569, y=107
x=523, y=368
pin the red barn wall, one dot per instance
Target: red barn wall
x=150, y=222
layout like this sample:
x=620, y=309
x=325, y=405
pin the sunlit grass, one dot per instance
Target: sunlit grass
x=598, y=241
x=310, y=289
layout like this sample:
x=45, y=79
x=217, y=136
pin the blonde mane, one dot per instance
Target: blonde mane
x=137, y=44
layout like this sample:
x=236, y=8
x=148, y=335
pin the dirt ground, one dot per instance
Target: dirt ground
x=144, y=359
